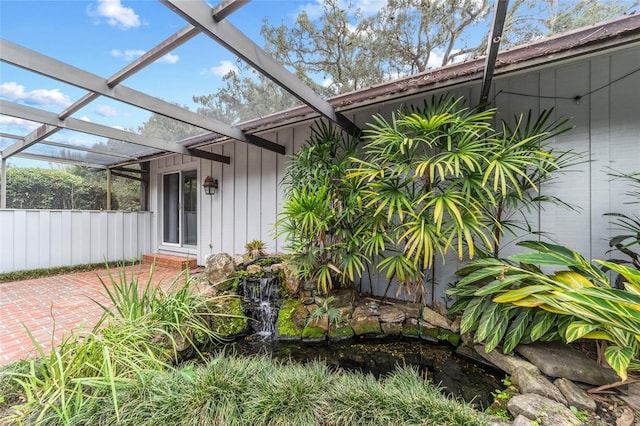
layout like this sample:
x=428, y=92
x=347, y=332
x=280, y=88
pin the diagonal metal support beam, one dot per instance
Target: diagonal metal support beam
x=51, y=119
x=162, y=49
x=198, y=14
x=495, y=37
x=226, y=8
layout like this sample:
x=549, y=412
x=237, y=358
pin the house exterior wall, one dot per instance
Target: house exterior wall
x=607, y=132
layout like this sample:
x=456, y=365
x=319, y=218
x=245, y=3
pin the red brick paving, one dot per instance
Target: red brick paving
x=61, y=303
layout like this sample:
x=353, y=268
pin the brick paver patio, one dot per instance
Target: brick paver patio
x=60, y=302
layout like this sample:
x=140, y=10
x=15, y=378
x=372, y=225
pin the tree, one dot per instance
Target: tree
x=345, y=50
x=30, y=188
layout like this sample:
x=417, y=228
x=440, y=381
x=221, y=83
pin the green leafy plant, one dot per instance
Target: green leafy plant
x=439, y=178
x=256, y=249
x=323, y=210
x=326, y=310
x=514, y=301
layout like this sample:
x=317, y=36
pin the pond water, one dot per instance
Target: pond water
x=439, y=363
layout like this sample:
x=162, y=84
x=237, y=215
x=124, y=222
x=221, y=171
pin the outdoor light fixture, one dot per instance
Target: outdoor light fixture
x=210, y=185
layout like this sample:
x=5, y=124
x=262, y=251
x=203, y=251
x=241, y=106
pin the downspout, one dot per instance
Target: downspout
x=493, y=45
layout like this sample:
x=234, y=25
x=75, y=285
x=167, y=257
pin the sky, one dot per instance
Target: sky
x=103, y=36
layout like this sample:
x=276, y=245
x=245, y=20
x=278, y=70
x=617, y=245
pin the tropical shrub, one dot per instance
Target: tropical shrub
x=439, y=178
x=514, y=301
x=323, y=210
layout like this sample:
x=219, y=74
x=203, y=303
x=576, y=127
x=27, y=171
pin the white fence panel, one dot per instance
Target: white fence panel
x=32, y=239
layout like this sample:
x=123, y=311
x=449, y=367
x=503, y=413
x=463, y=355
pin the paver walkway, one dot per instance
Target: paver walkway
x=61, y=303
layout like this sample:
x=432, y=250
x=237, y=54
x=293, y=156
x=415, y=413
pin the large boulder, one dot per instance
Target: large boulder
x=575, y=396
x=538, y=384
x=507, y=363
x=557, y=359
x=218, y=268
x=435, y=319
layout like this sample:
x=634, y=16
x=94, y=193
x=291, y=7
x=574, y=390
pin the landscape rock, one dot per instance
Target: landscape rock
x=435, y=319
x=556, y=359
x=439, y=308
x=507, y=363
x=254, y=269
x=411, y=310
x=391, y=328
x=537, y=384
x=391, y=314
x=362, y=323
x=218, y=267
x=522, y=421
x=575, y=396
x=291, y=281
x=238, y=260
x=543, y=410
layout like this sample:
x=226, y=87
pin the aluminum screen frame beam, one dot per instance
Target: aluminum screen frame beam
x=52, y=119
x=147, y=58
x=199, y=14
x=495, y=37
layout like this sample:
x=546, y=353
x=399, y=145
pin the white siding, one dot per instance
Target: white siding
x=607, y=130
x=33, y=239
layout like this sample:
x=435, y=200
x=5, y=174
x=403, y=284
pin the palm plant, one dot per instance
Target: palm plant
x=440, y=179
x=322, y=210
x=514, y=301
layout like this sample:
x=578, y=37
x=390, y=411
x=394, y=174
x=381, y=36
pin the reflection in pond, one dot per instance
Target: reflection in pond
x=438, y=363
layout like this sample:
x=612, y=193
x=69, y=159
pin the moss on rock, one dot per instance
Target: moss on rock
x=289, y=316
x=232, y=320
x=341, y=332
x=311, y=332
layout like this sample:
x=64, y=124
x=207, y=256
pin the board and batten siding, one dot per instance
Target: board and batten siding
x=34, y=239
x=606, y=122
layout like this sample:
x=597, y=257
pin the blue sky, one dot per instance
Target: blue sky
x=103, y=36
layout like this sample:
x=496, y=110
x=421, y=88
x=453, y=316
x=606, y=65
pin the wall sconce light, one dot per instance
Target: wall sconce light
x=210, y=185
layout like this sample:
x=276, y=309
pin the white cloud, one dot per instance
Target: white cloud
x=106, y=111
x=169, y=58
x=19, y=124
x=39, y=97
x=128, y=55
x=116, y=14
x=224, y=68
x=85, y=118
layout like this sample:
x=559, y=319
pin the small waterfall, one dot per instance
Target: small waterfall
x=260, y=299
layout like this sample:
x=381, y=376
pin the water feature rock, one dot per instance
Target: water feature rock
x=411, y=310
x=291, y=281
x=545, y=411
x=434, y=318
x=238, y=261
x=218, y=267
x=411, y=327
x=507, y=363
x=254, y=269
x=557, y=359
x=391, y=314
x=362, y=323
x=277, y=267
x=292, y=319
x=341, y=332
x=538, y=384
x=438, y=307
x=522, y=421
x=391, y=328
x=575, y=396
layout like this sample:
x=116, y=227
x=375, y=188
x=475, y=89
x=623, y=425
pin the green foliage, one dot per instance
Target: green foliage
x=515, y=302
x=233, y=390
x=138, y=337
x=431, y=180
x=439, y=179
x=256, y=249
x=29, y=274
x=29, y=188
x=322, y=210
